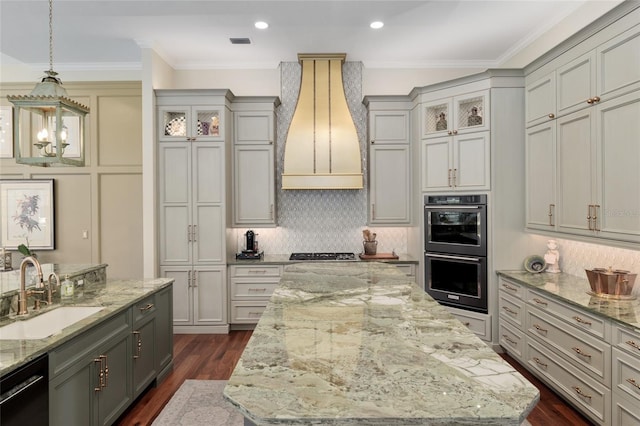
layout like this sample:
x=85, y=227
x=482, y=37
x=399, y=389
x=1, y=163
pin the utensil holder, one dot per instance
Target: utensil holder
x=370, y=247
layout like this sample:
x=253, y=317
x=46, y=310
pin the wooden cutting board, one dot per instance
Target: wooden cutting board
x=379, y=256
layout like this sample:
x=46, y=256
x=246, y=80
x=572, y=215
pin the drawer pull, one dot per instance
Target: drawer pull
x=511, y=311
x=537, y=360
x=255, y=271
x=633, y=344
x=508, y=339
x=257, y=290
x=581, y=321
x=537, y=327
x=146, y=308
x=634, y=383
x=581, y=393
x=510, y=288
x=579, y=352
x=466, y=323
x=540, y=302
x=138, y=344
x=254, y=314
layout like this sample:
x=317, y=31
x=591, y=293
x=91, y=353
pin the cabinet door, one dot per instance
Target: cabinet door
x=471, y=112
x=436, y=118
x=390, y=185
x=619, y=65
x=436, y=164
x=618, y=185
x=175, y=203
x=182, y=299
x=164, y=328
x=540, y=98
x=576, y=84
x=389, y=127
x=174, y=123
x=254, y=127
x=206, y=123
x=208, y=224
x=575, y=133
x=541, y=176
x=209, y=296
x=471, y=161
x=254, y=186
x=72, y=396
x=116, y=394
x=143, y=354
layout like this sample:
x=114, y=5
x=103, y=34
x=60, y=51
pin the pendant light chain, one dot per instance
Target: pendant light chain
x=51, y=35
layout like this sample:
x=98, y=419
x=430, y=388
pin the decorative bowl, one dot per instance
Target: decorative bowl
x=535, y=264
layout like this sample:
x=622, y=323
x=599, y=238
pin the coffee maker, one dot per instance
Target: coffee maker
x=250, y=247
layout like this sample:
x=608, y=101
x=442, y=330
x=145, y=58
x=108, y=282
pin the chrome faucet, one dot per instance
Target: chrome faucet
x=22, y=298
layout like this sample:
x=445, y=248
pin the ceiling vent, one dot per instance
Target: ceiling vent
x=240, y=40
x=322, y=150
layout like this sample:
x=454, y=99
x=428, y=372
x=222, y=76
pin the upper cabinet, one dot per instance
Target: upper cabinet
x=191, y=123
x=254, y=177
x=582, y=138
x=389, y=161
x=457, y=115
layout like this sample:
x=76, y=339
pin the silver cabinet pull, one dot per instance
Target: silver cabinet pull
x=449, y=178
x=195, y=233
x=189, y=233
x=596, y=210
x=455, y=177
x=138, y=344
x=552, y=208
x=589, y=217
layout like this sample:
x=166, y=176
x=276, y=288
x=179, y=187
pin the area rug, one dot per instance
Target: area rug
x=199, y=403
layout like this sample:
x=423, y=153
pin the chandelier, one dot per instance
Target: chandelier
x=48, y=126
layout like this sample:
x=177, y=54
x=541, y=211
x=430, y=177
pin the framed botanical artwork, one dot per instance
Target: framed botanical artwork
x=26, y=214
x=6, y=132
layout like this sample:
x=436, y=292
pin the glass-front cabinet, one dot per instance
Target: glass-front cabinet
x=451, y=116
x=192, y=123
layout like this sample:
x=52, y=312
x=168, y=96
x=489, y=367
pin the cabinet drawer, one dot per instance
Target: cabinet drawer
x=144, y=308
x=590, y=397
x=255, y=271
x=626, y=412
x=511, y=339
x=626, y=374
x=593, y=356
x=512, y=288
x=258, y=289
x=591, y=324
x=246, y=312
x=511, y=308
x=627, y=340
x=481, y=326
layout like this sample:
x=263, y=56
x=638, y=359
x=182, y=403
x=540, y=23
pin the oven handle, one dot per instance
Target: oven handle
x=445, y=256
x=448, y=207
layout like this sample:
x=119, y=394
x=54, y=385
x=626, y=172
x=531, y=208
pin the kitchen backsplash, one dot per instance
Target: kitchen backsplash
x=321, y=220
x=576, y=256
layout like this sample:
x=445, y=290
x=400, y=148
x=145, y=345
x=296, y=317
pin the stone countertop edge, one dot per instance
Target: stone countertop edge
x=283, y=259
x=359, y=343
x=114, y=297
x=573, y=290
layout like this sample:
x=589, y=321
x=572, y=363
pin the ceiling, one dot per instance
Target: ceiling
x=195, y=34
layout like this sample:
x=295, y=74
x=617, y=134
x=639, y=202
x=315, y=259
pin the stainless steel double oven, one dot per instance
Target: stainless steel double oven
x=455, y=255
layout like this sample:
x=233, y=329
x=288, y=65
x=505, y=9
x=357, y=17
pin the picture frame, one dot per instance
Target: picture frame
x=6, y=131
x=27, y=214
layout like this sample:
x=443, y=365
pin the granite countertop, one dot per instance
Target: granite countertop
x=573, y=290
x=283, y=259
x=114, y=296
x=360, y=343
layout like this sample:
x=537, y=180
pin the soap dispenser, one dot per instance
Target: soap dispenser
x=66, y=289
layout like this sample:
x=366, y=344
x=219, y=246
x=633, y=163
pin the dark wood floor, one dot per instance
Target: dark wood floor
x=214, y=356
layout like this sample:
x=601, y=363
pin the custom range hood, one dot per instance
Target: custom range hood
x=322, y=149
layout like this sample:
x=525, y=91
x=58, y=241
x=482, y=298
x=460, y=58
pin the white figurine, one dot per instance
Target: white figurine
x=552, y=257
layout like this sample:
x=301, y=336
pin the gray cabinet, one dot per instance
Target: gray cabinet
x=94, y=372
x=250, y=287
x=144, y=342
x=253, y=190
x=541, y=176
x=389, y=162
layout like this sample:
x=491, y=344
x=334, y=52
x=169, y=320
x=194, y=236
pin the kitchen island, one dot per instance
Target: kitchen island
x=360, y=343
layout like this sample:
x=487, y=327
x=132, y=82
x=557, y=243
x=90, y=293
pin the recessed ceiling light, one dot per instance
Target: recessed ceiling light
x=261, y=25
x=376, y=25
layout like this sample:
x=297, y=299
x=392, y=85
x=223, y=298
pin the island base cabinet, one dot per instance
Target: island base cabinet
x=588, y=396
x=97, y=390
x=625, y=412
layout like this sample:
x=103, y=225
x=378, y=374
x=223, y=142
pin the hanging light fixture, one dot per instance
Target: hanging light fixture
x=48, y=125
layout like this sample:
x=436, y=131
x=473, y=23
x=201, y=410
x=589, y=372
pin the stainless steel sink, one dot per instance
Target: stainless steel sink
x=47, y=324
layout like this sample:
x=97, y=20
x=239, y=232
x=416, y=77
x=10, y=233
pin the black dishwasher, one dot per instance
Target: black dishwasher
x=24, y=397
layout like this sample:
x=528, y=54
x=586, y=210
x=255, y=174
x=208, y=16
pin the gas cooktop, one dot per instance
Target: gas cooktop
x=322, y=256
